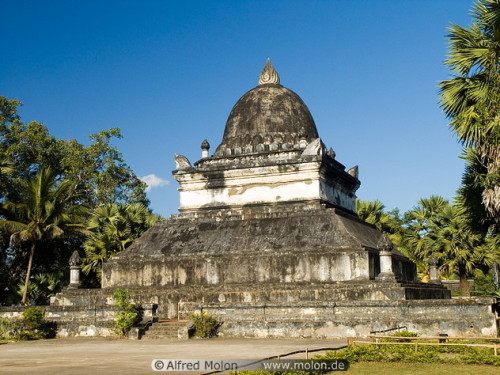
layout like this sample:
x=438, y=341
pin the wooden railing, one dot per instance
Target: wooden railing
x=396, y=340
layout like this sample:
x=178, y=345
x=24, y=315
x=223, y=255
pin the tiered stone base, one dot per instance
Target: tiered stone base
x=329, y=310
x=168, y=299
x=470, y=317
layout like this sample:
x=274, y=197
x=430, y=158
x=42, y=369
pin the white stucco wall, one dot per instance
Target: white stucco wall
x=271, y=184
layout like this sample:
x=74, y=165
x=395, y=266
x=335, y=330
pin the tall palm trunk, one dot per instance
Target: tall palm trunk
x=491, y=193
x=464, y=285
x=28, y=274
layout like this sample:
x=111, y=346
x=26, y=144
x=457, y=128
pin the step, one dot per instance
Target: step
x=162, y=331
x=165, y=329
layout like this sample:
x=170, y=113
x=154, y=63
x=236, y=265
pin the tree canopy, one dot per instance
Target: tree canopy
x=42, y=209
x=98, y=171
x=471, y=99
x=436, y=228
x=47, y=187
x=113, y=227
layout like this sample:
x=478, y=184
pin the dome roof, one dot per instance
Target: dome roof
x=269, y=114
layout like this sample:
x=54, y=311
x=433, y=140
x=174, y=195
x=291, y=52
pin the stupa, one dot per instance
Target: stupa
x=268, y=241
x=272, y=208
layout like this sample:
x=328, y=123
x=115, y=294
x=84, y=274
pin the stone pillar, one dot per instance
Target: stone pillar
x=74, y=270
x=205, y=146
x=302, y=142
x=385, y=246
x=433, y=271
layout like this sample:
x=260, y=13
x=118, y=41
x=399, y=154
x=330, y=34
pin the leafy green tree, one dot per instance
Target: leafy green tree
x=419, y=223
x=114, y=227
x=8, y=115
x=8, y=111
x=40, y=210
x=471, y=99
x=484, y=285
x=29, y=146
x=97, y=172
x=461, y=250
x=100, y=171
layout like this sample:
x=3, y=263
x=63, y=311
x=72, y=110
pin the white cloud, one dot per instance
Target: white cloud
x=153, y=180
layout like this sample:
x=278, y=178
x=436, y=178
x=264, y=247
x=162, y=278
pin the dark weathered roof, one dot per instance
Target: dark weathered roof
x=306, y=231
x=269, y=113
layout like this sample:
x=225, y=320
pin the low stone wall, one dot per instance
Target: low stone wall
x=275, y=312
x=168, y=299
x=73, y=320
x=454, y=285
x=456, y=317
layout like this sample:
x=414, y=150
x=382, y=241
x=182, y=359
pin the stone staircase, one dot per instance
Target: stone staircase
x=167, y=329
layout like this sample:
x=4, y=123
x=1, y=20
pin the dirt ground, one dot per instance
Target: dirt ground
x=79, y=356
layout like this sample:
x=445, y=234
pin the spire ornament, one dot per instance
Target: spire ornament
x=385, y=247
x=269, y=74
x=75, y=260
x=74, y=270
x=384, y=243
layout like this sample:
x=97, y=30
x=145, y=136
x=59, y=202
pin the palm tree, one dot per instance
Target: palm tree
x=41, y=210
x=389, y=222
x=461, y=250
x=438, y=228
x=471, y=100
x=114, y=227
x=42, y=287
x=469, y=195
x=372, y=212
x=6, y=167
x=419, y=223
x=423, y=219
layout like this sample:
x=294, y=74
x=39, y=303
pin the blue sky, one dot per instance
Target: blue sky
x=168, y=73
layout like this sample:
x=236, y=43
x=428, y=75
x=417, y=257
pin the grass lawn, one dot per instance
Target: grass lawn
x=393, y=368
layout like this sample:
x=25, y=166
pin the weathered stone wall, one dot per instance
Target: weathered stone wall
x=169, y=299
x=469, y=317
x=250, y=314
x=264, y=268
x=287, y=245
x=250, y=185
x=85, y=312
x=89, y=320
x=234, y=184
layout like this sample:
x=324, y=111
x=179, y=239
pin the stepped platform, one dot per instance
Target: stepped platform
x=166, y=329
x=167, y=299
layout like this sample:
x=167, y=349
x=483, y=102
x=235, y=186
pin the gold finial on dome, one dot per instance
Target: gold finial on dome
x=269, y=74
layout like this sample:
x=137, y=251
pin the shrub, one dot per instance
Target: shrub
x=33, y=317
x=424, y=354
x=484, y=286
x=10, y=329
x=204, y=325
x=273, y=373
x=32, y=326
x=404, y=333
x=127, y=315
